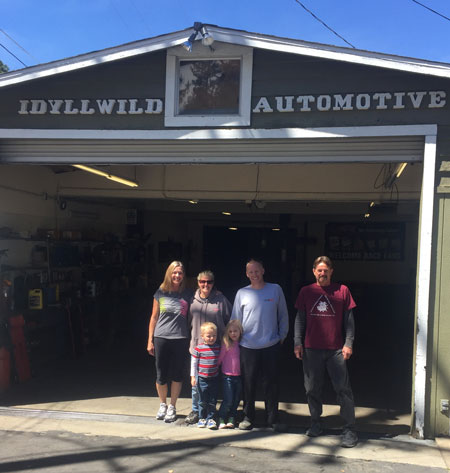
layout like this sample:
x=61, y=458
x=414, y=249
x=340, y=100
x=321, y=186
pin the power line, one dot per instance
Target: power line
x=12, y=54
x=431, y=10
x=17, y=44
x=324, y=24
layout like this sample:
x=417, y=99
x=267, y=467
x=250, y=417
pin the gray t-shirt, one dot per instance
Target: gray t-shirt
x=173, y=311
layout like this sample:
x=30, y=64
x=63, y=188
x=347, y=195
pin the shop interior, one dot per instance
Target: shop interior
x=81, y=256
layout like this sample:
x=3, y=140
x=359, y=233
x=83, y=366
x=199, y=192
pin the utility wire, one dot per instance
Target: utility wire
x=17, y=44
x=12, y=54
x=431, y=10
x=324, y=24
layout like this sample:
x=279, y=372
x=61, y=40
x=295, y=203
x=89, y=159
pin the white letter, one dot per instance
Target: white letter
x=416, y=98
x=133, y=109
x=85, y=110
x=288, y=107
x=23, y=107
x=305, y=100
x=263, y=105
x=122, y=103
x=323, y=103
x=437, y=99
x=381, y=97
x=106, y=106
x=69, y=110
x=55, y=106
x=343, y=103
x=362, y=101
x=154, y=105
x=399, y=100
x=38, y=107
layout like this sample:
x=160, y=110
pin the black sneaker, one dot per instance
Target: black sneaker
x=315, y=430
x=192, y=418
x=349, y=438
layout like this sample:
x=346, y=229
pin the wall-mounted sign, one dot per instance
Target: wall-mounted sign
x=282, y=104
x=90, y=106
x=342, y=102
x=365, y=241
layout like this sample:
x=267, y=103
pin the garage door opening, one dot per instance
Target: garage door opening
x=109, y=330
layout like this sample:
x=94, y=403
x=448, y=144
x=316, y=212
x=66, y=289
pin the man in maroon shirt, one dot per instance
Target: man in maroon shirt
x=323, y=339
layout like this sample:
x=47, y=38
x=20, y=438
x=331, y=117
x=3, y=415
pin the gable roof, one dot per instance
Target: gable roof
x=228, y=35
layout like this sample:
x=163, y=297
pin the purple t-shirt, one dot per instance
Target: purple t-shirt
x=324, y=308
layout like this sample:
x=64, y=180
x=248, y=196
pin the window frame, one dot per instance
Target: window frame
x=199, y=52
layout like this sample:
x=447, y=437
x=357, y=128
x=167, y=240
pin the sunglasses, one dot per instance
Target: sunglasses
x=204, y=281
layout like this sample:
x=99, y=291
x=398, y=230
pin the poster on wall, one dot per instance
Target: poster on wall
x=365, y=241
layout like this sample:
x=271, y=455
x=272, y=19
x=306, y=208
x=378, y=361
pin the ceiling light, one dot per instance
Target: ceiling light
x=401, y=167
x=193, y=201
x=226, y=213
x=367, y=215
x=111, y=177
x=232, y=228
x=275, y=229
x=372, y=204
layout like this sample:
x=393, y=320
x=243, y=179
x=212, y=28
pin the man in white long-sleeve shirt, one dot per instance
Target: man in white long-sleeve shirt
x=261, y=309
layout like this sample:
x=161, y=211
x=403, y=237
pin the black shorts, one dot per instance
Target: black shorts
x=170, y=358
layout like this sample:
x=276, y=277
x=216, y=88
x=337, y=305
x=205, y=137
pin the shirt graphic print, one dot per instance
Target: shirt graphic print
x=323, y=307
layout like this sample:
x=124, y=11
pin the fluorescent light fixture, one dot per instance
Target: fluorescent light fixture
x=111, y=177
x=372, y=204
x=400, y=169
x=367, y=215
x=226, y=213
x=232, y=228
x=193, y=202
x=275, y=229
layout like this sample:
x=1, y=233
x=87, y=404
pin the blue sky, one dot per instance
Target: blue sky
x=55, y=29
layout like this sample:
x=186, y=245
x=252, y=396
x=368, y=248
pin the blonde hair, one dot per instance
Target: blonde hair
x=226, y=338
x=166, y=285
x=208, y=326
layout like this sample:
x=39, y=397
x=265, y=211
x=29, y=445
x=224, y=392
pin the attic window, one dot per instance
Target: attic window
x=208, y=88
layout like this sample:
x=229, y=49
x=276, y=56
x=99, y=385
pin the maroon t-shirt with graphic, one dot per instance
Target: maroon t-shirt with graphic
x=324, y=308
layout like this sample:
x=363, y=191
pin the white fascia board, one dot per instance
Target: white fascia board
x=237, y=37
x=336, y=53
x=221, y=134
x=93, y=59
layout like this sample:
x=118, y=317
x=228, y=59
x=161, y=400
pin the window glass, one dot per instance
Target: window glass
x=209, y=87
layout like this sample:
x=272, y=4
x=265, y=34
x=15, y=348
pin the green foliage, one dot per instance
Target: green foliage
x=3, y=68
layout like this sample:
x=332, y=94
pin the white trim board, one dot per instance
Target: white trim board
x=222, y=134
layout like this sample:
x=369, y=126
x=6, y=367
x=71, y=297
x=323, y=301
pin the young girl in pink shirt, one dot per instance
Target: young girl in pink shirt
x=231, y=374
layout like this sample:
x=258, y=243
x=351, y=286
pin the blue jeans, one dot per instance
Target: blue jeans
x=195, y=399
x=207, y=390
x=231, y=387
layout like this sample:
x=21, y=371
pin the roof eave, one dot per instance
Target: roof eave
x=226, y=35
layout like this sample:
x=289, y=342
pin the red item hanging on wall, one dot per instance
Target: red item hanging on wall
x=20, y=354
x=5, y=369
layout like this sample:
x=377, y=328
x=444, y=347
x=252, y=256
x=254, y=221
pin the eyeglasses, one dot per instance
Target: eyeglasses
x=204, y=281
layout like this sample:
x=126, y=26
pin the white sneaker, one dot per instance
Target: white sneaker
x=171, y=414
x=162, y=411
